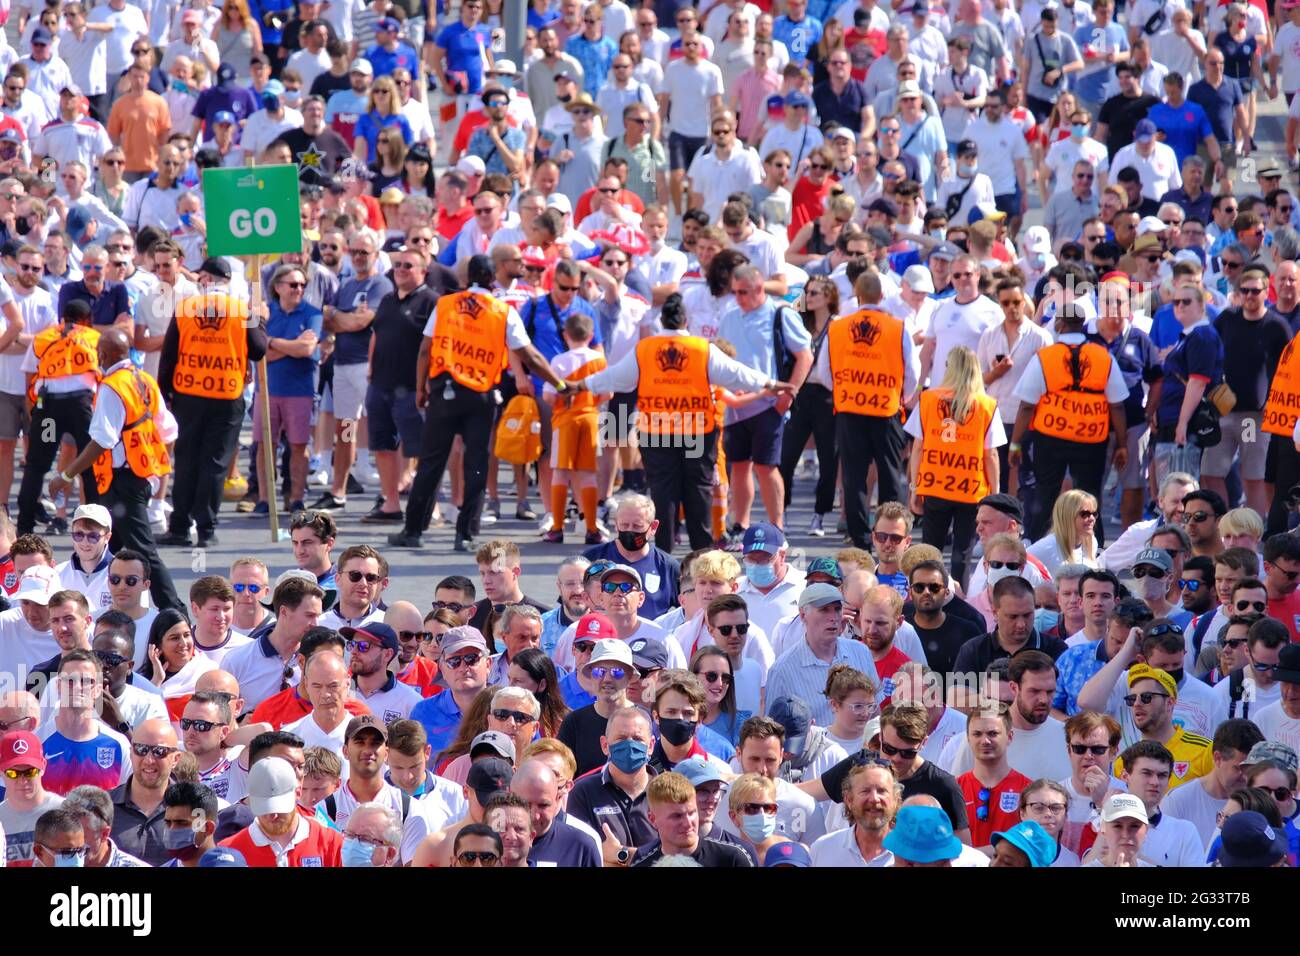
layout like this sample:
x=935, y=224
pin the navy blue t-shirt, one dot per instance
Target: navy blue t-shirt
x=1136, y=356
x=564, y=845
x=1198, y=352
x=353, y=348
x=659, y=575
x=1218, y=105
x=105, y=309
x=240, y=100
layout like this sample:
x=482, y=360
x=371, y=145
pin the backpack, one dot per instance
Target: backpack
x=784, y=360
x=1198, y=632
x=332, y=806
x=519, y=432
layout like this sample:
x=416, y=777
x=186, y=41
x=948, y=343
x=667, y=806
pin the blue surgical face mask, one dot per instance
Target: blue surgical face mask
x=1079, y=130
x=356, y=853
x=628, y=755
x=1044, y=619
x=759, y=826
x=62, y=860
x=760, y=575
x=178, y=840
x=967, y=170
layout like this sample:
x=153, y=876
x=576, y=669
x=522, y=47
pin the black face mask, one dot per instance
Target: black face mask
x=677, y=731
x=22, y=225
x=1176, y=675
x=633, y=540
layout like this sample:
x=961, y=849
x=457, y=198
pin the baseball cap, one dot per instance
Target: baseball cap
x=376, y=631
x=1156, y=557
x=1038, y=241
x=37, y=585
x=388, y=23
x=488, y=777
x=796, y=98
x=1247, y=839
x=471, y=166
x=491, y=91
x=796, y=717
x=460, y=638
x=1145, y=129
x=41, y=35
x=883, y=206
x=819, y=595
x=788, y=853
x=1288, y=664
x=649, y=654
x=192, y=16
x=699, y=771
x=12, y=135
x=1274, y=752
x=879, y=235
x=908, y=88
x=827, y=566
x=1150, y=224
x=611, y=651
x=1009, y=505
x=595, y=626
x=271, y=787
x=561, y=202
x=918, y=279
x=226, y=73
x=494, y=741
x=985, y=210
x=221, y=856
x=923, y=835
x=97, y=514
x=1032, y=840
x=763, y=537
x=361, y=65
x=1120, y=805
x=843, y=132
x=562, y=75
x=224, y=116
x=1146, y=672
x=365, y=722
x=614, y=569
x=503, y=68
x=946, y=251
x=21, y=748
x=72, y=88
x=216, y=267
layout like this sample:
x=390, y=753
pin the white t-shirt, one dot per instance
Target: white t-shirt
x=760, y=248
x=715, y=178
x=1275, y=724
x=951, y=725
x=1287, y=44
x=956, y=324
x=218, y=654
x=689, y=90
x=1000, y=145
x=1064, y=153
x=1159, y=169
x=128, y=25
x=1174, y=842
x=313, y=735
x=21, y=647
x=1193, y=803
x=38, y=312
x=1036, y=753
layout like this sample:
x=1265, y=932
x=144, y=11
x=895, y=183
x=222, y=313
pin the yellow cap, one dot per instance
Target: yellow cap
x=1146, y=672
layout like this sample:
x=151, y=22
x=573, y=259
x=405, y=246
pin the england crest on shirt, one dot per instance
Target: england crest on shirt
x=1009, y=801
x=11, y=580
x=1180, y=768
x=105, y=756
x=313, y=861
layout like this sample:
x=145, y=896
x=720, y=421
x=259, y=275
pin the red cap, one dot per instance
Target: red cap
x=595, y=627
x=21, y=748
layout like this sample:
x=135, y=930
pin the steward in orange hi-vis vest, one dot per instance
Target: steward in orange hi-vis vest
x=1281, y=412
x=867, y=363
x=212, y=354
x=145, y=451
x=1074, y=407
x=63, y=351
x=467, y=343
x=952, y=464
x=673, y=395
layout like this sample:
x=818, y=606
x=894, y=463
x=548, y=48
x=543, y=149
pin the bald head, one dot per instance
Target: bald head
x=325, y=667
x=114, y=346
x=403, y=616
x=17, y=705
x=223, y=682
x=855, y=586
x=156, y=730
x=922, y=800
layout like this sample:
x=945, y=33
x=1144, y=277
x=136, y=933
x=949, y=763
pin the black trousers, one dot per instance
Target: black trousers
x=53, y=417
x=127, y=500
x=812, y=414
x=940, y=515
x=469, y=414
x=864, y=439
x=209, y=436
x=1284, y=462
x=682, y=475
x=1052, y=458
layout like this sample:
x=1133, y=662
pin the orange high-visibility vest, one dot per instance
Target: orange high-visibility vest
x=673, y=395
x=1074, y=410
x=212, y=354
x=953, y=454
x=866, y=353
x=470, y=340
x=1283, y=405
x=66, y=349
x=146, y=452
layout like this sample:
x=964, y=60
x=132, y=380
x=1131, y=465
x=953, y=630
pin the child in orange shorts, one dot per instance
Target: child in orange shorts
x=725, y=398
x=575, y=428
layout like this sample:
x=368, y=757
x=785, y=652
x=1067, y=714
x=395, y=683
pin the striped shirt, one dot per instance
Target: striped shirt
x=801, y=673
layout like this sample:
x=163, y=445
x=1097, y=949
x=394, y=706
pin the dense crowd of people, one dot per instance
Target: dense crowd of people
x=673, y=259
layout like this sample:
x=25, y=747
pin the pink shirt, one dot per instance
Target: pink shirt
x=752, y=90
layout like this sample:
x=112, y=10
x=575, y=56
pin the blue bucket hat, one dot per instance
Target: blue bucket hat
x=923, y=835
x=1031, y=840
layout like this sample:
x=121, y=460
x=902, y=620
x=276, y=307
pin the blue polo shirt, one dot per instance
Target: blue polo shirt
x=544, y=320
x=659, y=575
x=384, y=62
x=292, y=376
x=104, y=308
x=1218, y=105
x=463, y=47
x=1165, y=329
x=239, y=100
x=1199, y=352
x=1185, y=127
x=441, y=719
x=574, y=696
x=1138, y=361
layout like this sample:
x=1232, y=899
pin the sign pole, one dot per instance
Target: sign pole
x=264, y=410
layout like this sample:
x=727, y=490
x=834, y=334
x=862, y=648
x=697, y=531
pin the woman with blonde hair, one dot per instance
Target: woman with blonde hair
x=1071, y=539
x=1242, y=528
x=383, y=109
x=957, y=431
x=238, y=36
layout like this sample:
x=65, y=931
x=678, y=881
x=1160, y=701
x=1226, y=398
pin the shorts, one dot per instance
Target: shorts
x=623, y=415
x=1134, y=475
x=682, y=149
x=1009, y=203
x=1167, y=457
x=393, y=419
x=544, y=417
x=573, y=446
x=1241, y=435
x=756, y=439
x=290, y=415
x=350, y=384
x=13, y=416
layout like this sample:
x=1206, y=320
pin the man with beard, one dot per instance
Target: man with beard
x=413, y=669
x=871, y=796
x=373, y=648
x=189, y=822
x=279, y=835
x=138, y=803
x=572, y=603
x=318, y=149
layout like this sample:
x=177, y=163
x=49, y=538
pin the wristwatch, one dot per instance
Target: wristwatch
x=624, y=856
x=67, y=477
x=1013, y=446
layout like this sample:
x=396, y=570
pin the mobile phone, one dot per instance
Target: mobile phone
x=1000, y=357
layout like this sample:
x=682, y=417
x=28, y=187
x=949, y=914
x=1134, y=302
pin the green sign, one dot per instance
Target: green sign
x=252, y=210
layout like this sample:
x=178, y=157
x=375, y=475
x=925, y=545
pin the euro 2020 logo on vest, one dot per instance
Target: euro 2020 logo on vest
x=208, y=321
x=1085, y=364
x=670, y=358
x=864, y=332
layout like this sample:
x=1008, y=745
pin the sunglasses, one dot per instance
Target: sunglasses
x=87, y=537
x=933, y=588
x=1085, y=514
x=884, y=537
x=294, y=285
x=1259, y=606
x=907, y=753
x=1280, y=794
x=754, y=809
x=515, y=716
x=356, y=577
x=1290, y=575
x=713, y=677
x=583, y=647
x=984, y=796
x=473, y=858
x=1264, y=668
x=250, y=588
x=1234, y=643
x=1253, y=290
x=454, y=606
x=157, y=750
x=617, y=673
x=23, y=773
x=566, y=288
x=1148, y=572
x=423, y=637
x=202, y=726
x=619, y=587
x=362, y=647
x=469, y=660
x=1188, y=302
x=1187, y=585
x=109, y=660
x=1009, y=565
x=726, y=629
x=1147, y=696
x=7, y=725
